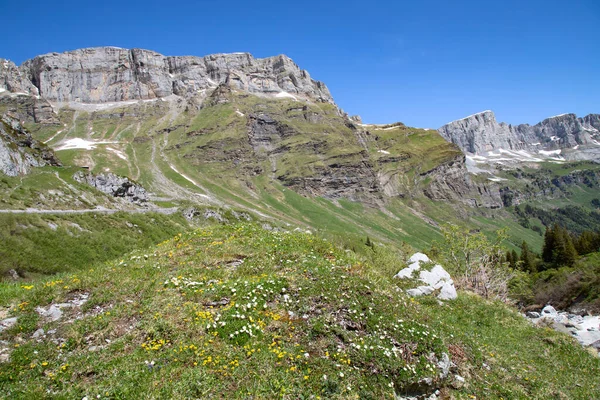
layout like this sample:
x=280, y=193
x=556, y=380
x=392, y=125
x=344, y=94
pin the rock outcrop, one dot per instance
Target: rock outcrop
x=434, y=281
x=481, y=133
x=113, y=185
x=19, y=151
x=110, y=74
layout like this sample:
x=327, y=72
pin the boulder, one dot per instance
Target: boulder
x=435, y=279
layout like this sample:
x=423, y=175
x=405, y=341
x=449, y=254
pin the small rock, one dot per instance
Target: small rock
x=7, y=323
x=53, y=313
x=532, y=314
x=414, y=292
x=549, y=311
x=14, y=275
x=448, y=292
x=38, y=334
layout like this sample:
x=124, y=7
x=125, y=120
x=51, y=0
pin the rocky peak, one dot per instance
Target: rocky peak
x=481, y=133
x=111, y=74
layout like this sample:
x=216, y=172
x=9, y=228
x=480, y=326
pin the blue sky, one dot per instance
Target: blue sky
x=424, y=63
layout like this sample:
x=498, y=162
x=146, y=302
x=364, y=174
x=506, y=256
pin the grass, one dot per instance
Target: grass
x=236, y=311
x=46, y=244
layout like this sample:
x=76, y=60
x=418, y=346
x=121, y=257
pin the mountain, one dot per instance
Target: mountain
x=566, y=135
x=110, y=74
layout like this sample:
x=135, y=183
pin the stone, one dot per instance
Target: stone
x=38, y=334
x=532, y=314
x=114, y=185
x=435, y=279
x=448, y=292
x=7, y=323
x=549, y=311
x=53, y=313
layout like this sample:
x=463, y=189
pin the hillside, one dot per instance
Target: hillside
x=231, y=311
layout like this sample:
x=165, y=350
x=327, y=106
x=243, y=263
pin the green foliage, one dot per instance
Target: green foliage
x=475, y=261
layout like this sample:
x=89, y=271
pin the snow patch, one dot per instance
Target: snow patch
x=285, y=94
x=550, y=152
x=78, y=143
x=383, y=151
x=496, y=179
x=2, y=90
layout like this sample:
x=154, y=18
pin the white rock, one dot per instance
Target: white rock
x=549, y=310
x=433, y=277
x=419, y=257
x=426, y=289
x=7, y=323
x=38, y=334
x=414, y=292
x=448, y=292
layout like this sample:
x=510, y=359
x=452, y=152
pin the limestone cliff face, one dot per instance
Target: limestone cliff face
x=109, y=74
x=481, y=133
x=19, y=152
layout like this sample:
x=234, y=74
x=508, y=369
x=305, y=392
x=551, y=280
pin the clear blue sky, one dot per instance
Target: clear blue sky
x=421, y=62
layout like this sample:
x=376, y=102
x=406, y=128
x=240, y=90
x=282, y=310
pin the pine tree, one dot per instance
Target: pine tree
x=514, y=259
x=549, y=244
x=527, y=259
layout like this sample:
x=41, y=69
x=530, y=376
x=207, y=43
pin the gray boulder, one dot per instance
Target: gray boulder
x=114, y=185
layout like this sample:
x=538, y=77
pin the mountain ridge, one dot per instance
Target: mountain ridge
x=480, y=134
x=105, y=74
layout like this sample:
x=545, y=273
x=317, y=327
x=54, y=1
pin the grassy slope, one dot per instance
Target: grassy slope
x=46, y=244
x=172, y=322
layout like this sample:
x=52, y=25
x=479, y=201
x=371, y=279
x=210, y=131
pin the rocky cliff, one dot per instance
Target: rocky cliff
x=481, y=133
x=109, y=74
x=19, y=151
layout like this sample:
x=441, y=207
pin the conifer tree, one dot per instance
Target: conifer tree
x=527, y=263
x=549, y=244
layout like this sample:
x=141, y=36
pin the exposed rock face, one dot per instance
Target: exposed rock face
x=13, y=80
x=109, y=74
x=451, y=182
x=29, y=108
x=114, y=185
x=481, y=133
x=19, y=151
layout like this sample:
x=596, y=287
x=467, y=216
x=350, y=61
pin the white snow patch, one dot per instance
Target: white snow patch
x=78, y=143
x=383, y=151
x=559, y=115
x=119, y=153
x=285, y=94
x=496, y=179
x=535, y=144
x=554, y=138
x=550, y=152
x=575, y=147
x=2, y=90
x=76, y=105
